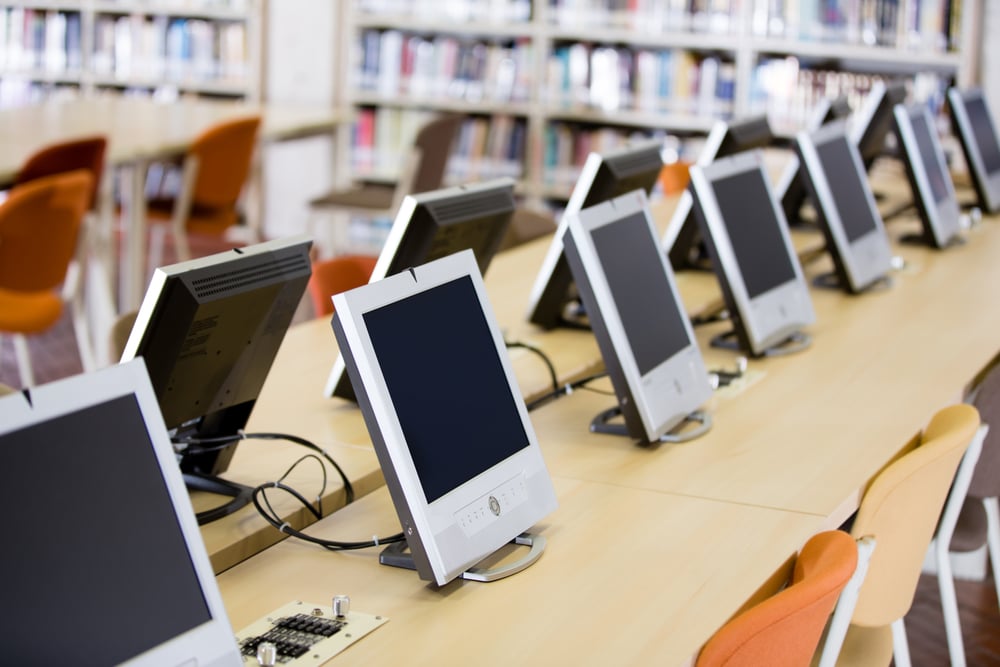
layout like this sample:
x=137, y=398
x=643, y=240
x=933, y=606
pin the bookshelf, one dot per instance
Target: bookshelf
x=545, y=81
x=145, y=47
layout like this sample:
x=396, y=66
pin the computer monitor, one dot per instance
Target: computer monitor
x=838, y=185
x=791, y=188
x=434, y=224
x=446, y=417
x=553, y=301
x=873, y=122
x=927, y=172
x=752, y=255
x=976, y=130
x=644, y=335
x=109, y=566
x=682, y=240
x=209, y=329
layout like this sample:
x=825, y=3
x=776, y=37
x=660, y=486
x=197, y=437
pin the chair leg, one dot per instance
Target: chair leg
x=900, y=647
x=992, y=507
x=23, y=357
x=842, y=613
x=942, y=545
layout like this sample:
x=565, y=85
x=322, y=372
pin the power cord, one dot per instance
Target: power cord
x=545, y=359
x=567, y=389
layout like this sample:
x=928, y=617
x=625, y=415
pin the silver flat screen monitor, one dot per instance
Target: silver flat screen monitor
x=209, y=329
x=682, y=240
x=635, y=310
x=927, y=172
x=838, y=185
x=791, y=187
x=110, y=549
x=445, y=414
x=435, y=224
x=752, y=254
x=552, y=301
x=976, y=129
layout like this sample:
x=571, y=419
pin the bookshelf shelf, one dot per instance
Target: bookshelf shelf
x=911, y=58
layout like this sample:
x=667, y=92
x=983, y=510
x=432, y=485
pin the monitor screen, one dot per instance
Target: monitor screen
x=447, y=420
x=435, y=224
x=641, y=328
x=873, y=122
x=604, y=176
x=209, y=330
x=682, y=240
x=751, y=252
x=838, y=185
x=120, y=557
x=976, y=131
x=927, y=172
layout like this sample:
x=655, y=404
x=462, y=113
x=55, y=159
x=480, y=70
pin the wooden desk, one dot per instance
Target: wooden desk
x=629, y=576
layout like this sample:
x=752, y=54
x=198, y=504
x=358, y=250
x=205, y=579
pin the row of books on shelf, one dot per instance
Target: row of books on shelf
x=182, y=6
x=915, y=24
x=616, y=78
x=486, y=147
x=393, y=63
x=566, y=146
x=487, y=11
x=712, y=16
x=128, y=45
x=19, y=92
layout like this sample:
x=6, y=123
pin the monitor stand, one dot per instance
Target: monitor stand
x=796, y=342
x=397, y=555
x=602, y=424
x=830, y=280
x=240, y=494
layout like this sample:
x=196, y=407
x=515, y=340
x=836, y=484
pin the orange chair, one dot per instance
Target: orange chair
x=83, y=153
x=336, y=275
x=204, y=201
x=40, y=236
x=786, y=628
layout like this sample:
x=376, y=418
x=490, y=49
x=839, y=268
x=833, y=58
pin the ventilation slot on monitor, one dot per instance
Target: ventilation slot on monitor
x=251, y=275
x=447, y=212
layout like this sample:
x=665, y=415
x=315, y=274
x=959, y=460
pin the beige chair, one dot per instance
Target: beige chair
x=900, y=510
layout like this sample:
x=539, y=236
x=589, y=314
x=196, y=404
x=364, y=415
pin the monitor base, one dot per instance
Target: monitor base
x=602, y=424
x=239, y=493
x=796, y=342
x=829, y=280
x=396, y=555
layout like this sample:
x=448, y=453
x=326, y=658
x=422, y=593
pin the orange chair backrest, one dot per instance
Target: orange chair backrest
x=336, y=275
x=901, y=509
x=39, y=227
x=785, y=629
x=83, y=153
x=224, y=153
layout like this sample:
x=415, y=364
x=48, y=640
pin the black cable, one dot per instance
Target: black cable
x=541, y=355
x=565, y=389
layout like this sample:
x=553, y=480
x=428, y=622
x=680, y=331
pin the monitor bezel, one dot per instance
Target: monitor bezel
x=657, y=401
x=868, y=259
x=337, y=383
x=941, y=221
x=987, y=185
x=436, y=558
x=771, y=318
x=211, y=642
x=550, y=291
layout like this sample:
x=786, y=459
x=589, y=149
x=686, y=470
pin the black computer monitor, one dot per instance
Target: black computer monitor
x=752, y=255
x=927, y=172
x=637, y=316
x=434, y=224
x=682, y=240
x=845, y=207
x=208, y=330
x=873, y=123
x=976, y=130
x=791, y=188
x=446, y=417
x=553, y=301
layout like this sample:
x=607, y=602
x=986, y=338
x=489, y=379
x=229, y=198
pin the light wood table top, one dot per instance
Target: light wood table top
x=628, y=577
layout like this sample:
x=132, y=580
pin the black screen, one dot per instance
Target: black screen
x=631, y=260
x=748, y=214
x=986, y=138
x=96, y=570
x=847, y=188
x=447, y=384
x=928, y=157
